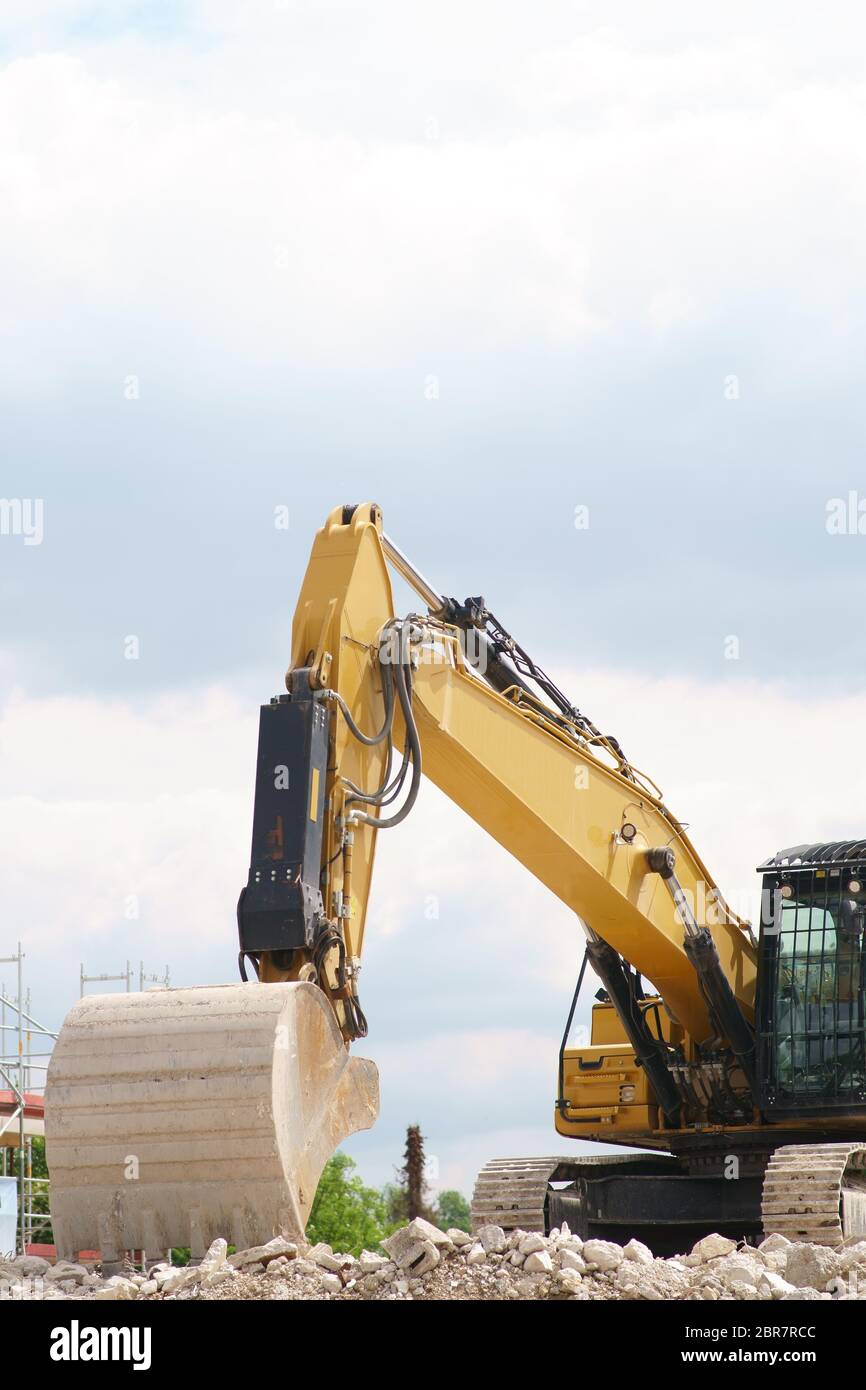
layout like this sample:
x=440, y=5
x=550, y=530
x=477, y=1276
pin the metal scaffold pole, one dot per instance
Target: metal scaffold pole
x=17, y=1064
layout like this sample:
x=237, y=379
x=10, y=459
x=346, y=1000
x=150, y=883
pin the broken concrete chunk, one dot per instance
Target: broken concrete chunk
x=539, y=1262
x=492, y=1239
x=420, y=1229
x=261, y=1254
x=323, y=1256
x=216, y=1254
x=117, y=1288
x=458, y=1238
x=638, y=1252
x=569, y=1259
x=532, y=1242
x=811, y=1266
x=712, y=1247
x=371, y=1263
x=64, y=1269
x=852, y=1256
x=28, y=1265
x=411, y=1251
x=774, y=1242
x=604, y=1254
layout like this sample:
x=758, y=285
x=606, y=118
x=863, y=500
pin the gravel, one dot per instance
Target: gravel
x=420, y=1262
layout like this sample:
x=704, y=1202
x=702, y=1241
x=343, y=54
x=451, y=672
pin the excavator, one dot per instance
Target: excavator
x=725, y=1072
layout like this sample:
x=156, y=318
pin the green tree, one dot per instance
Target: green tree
x=452, y=1211
x=42, y=1232
x=347, y=1215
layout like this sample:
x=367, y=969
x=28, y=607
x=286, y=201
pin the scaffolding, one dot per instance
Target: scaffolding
x=25, y=1051
x=144, y=980
x=23, y=1071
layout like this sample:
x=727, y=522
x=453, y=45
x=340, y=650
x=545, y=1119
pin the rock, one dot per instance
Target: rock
x=516, y=1259
x=569, y=1280
x=262, y=1254
x=419, y=1229
x=223, y=1274
x=739, y=1268
x=477, y=1255
x=661, y=1280
x=323, y=1256
x=371, y=1263
x=458, y=1238
x=332, y=1283
x=215, y=1255
x=539, y=1262
x=427, y=1257
x=492, y=1239
x=853, y=1255
x=64, y=1270
x=177, y=1279
x=712, y=1247
x=811, y=1266
x=569, y=1259
x=639, y=1252
x=410, y=1249
x=532, y=1242
x=570, y=1242
x=117, y=1288
x=775, y=1259
x=773, y=1243
x=604, y=1254
x=29, y=1265
x=805, y=1296
x=148, y=1288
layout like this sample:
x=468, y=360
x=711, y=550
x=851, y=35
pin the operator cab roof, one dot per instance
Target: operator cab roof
x=836, y=852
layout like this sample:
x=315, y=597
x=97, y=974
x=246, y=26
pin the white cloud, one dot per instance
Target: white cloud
x=288, y=206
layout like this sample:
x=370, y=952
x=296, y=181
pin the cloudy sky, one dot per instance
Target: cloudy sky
x=487, y=269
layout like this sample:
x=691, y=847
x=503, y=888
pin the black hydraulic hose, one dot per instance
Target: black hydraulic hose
x=393, y=791
x=371, y=740
x=414, y=744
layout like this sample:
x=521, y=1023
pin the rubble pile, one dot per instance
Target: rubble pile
x=421, y=1262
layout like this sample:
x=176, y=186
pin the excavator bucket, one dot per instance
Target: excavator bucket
x=175, y=1116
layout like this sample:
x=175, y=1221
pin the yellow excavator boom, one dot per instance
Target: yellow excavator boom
x=372, y=700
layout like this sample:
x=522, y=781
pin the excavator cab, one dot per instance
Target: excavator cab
x=811, y=978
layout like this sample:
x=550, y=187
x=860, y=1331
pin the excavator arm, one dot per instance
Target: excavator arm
x=229, y=1100
x=438, y=692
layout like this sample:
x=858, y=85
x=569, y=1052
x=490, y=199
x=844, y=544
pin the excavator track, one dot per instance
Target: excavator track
x=511, y=1193
x=517, y=1193
x=816, y=1193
